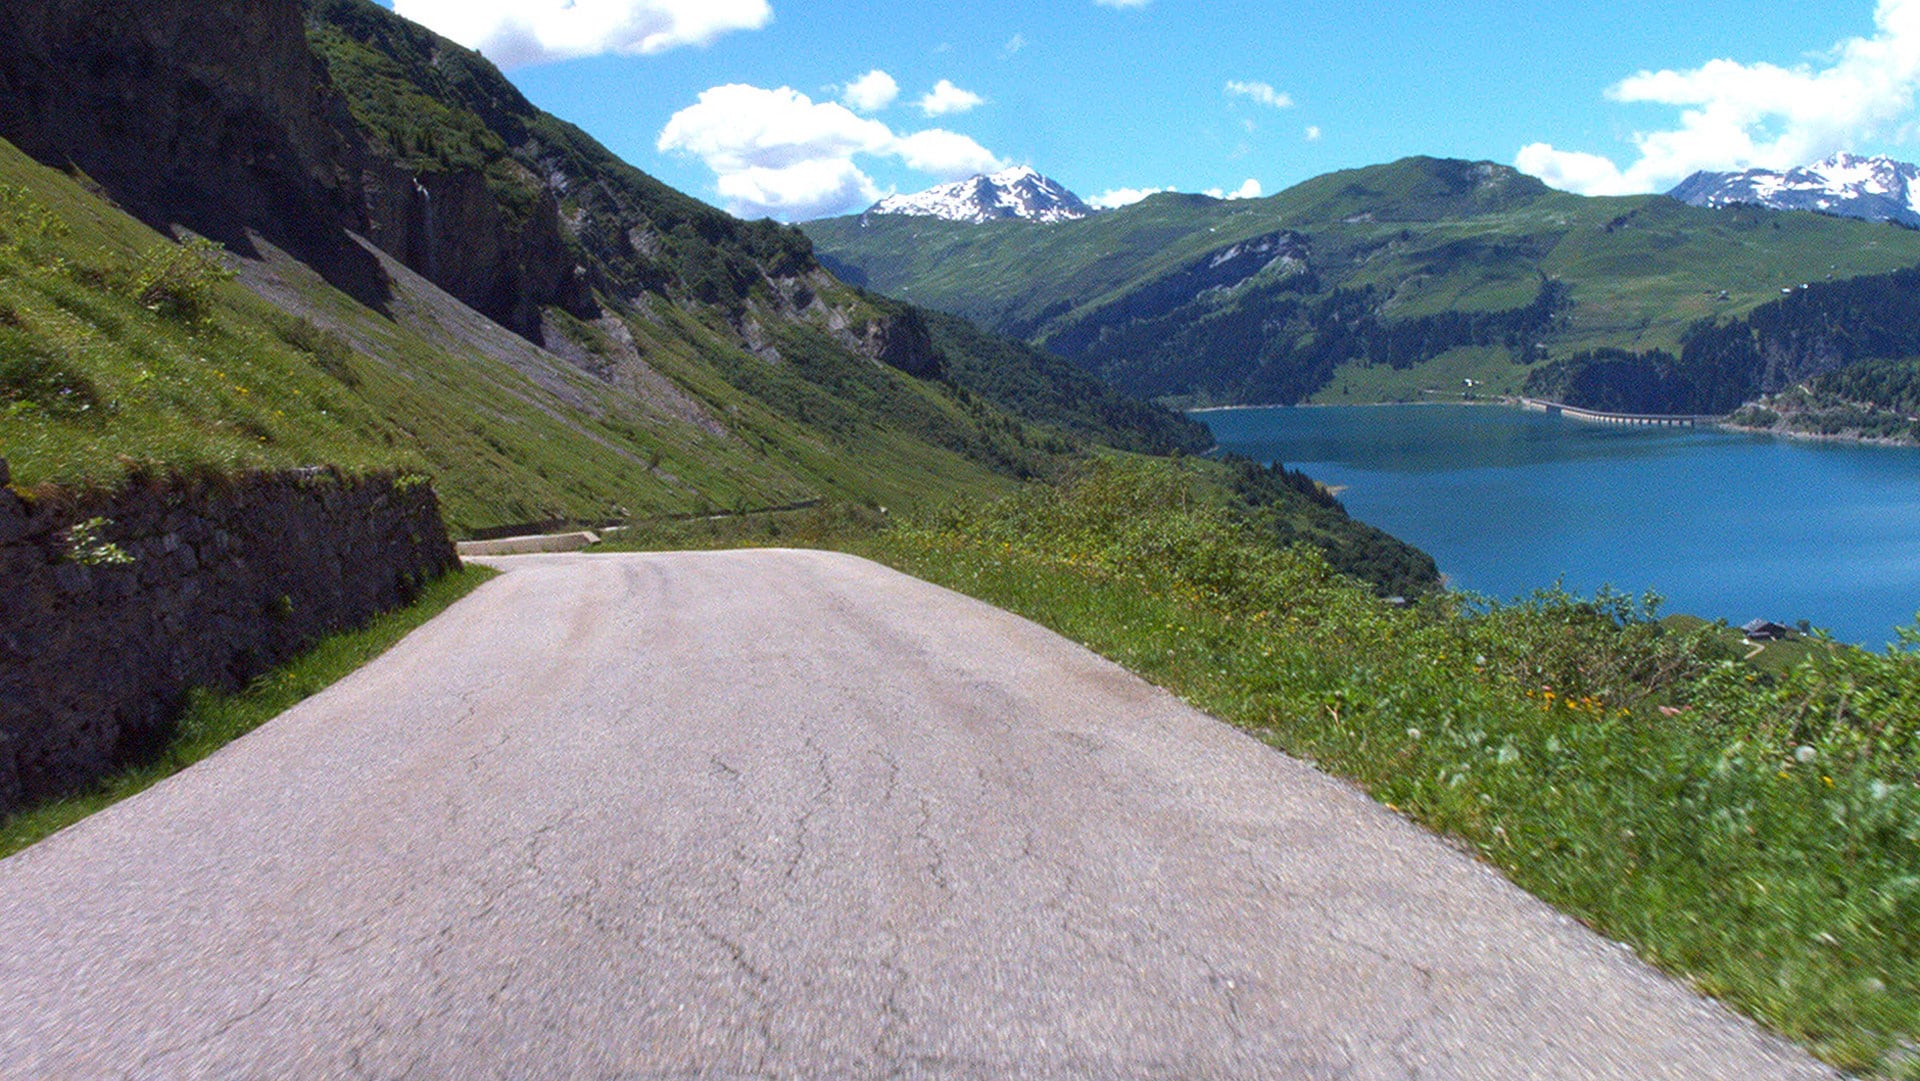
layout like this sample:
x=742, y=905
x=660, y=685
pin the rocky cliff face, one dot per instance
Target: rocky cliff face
x=218, y=115
x=209, y=113
x=451, y=229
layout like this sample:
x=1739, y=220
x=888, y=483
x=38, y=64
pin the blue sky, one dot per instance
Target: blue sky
x=747, y=103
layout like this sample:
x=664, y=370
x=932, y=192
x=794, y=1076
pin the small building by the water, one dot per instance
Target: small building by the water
x=1764, y=630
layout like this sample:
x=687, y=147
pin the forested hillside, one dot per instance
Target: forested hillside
x=1814, y=331
x=1381, y=283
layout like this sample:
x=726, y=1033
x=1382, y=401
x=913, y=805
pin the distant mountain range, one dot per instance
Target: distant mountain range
x=1875, y=189
x=1020, y=192
x=1403, y=281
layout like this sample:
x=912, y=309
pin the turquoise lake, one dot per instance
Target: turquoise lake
x=1721, y=524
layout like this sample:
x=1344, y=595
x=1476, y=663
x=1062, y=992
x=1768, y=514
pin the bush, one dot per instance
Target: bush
x=330, y=352
x=177, y=280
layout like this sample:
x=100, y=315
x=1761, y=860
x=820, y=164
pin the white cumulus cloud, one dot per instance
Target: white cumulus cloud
x=780, y=153
x=1259, y=93
x=1118, y=197
x=1121, y=3
x=871, y=92
x=947, y=98
x=1313, y=133
x=944, y=154
x=1737, y=115
x=1248, y=189
x=513, y=33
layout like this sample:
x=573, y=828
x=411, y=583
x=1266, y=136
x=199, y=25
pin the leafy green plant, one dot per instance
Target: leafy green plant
x=177, y=280
x=331, y=352
x=88, y=545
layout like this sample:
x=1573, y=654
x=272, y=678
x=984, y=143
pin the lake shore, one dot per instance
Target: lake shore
x=1514, y=403
x=1821, y=437
x=1509, y=499
x=1351, y=405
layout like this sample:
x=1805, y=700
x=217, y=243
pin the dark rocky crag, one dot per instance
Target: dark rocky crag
x=230, y=117
x=214, y=116
x=218, y=116
x=182, y=583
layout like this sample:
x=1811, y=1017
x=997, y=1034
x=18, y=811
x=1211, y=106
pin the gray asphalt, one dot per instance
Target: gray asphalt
x=791, y=815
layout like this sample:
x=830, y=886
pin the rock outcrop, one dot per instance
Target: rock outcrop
x=217, y=115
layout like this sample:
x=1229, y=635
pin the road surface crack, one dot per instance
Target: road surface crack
x=889, y=1047
x=937, y=866
x=263, y=1005
x=893, y=776
x=814, y=804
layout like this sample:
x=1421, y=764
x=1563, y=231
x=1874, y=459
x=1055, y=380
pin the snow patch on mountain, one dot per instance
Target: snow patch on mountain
x=1020, y=192
x=1876, y=188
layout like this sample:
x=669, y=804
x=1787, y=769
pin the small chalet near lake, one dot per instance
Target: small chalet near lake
x=1764, y=630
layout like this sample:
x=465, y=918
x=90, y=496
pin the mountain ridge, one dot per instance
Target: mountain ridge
x=1870, y=188
x=1388, y=282
x=1020, y=193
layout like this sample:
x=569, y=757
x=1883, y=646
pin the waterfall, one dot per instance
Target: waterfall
x=426, y=228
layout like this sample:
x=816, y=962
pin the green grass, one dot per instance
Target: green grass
x=1439, y=380
x=95, y=382
x=213, y=719
x=1754, y=833
x=248, y=385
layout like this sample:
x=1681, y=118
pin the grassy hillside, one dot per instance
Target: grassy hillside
x=545, y=330
x=438, y=113
x=1406, y=265
x=1840, y=342
x=119, y=348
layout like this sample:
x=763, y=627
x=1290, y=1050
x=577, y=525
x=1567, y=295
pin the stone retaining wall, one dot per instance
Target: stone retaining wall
x=112, y=606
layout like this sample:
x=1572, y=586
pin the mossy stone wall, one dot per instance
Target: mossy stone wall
x=113, y=605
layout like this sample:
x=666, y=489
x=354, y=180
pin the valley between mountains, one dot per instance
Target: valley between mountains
x=1429, y=279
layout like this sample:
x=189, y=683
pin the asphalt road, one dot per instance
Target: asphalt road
x=791, y=815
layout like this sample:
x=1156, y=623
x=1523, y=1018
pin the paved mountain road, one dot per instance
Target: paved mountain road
x=791, y=815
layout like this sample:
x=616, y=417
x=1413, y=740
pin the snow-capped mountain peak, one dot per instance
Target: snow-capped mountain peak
x=1019, y=192
x=1876, y=188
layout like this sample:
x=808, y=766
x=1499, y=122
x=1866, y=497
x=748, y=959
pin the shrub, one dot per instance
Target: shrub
x=177, y=280
x=330, y=352
x=87, y=545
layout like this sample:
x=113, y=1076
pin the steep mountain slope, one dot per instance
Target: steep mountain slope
x=122, y=352
x=1873, y=189
x=1373, y=282
x=1020, y=192
x=448, y=279
x=450, y=120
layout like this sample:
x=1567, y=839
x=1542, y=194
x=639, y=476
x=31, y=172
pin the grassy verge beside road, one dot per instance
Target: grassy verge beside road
x=211, y=719
x=1754, y=832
